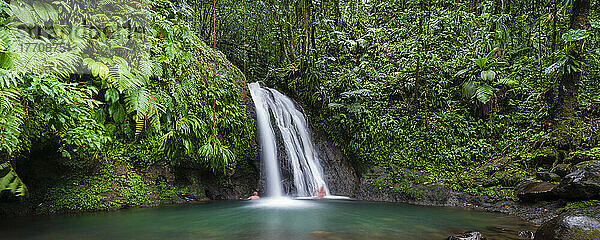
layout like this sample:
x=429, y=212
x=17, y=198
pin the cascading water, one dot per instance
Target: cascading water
x=292, y=126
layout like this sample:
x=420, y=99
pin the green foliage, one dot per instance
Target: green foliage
x=575, y=35
x=106, y=191
x=10, y=181
x=459, y=93
x=119, y=73
x=577, y=205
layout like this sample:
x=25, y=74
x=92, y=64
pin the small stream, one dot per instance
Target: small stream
x=265, y=219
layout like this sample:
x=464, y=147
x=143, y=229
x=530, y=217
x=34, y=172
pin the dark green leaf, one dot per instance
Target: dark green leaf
x=575, y=35
x=111, y=95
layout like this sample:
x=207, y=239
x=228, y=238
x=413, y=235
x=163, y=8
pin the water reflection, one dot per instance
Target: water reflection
x=268, y=219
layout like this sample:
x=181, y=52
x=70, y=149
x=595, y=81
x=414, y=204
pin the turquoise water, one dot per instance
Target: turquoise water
x=263, y=219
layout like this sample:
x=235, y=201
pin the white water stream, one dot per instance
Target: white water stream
x=291, y=123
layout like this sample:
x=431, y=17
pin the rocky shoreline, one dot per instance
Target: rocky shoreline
x=564, y=209
x=563, y=202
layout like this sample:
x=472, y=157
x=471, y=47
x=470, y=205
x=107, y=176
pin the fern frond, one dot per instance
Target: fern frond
x=140, y=125
x=9, y=181
x=9, y=79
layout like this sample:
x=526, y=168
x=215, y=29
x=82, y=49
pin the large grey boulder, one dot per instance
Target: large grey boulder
x=569, y=226
x=583, y=183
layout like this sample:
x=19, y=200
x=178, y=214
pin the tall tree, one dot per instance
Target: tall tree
x=568, y=84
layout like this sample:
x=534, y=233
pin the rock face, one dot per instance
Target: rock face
x=240, y=182
x=467, y=236
x=530, y=190
x=583, y=183
x=340, y=175
x=244, y=178
x=569, y=226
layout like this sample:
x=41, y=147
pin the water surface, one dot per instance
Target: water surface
x=264, y=219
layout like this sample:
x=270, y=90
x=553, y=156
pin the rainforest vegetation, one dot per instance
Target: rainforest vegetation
x=96, y=97
x=466, y=93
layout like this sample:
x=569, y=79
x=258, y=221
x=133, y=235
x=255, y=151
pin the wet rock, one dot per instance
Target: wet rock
x=532, y=191
x=467, y=236
x=562, y=169
x=583, y=183
x=569, y=227
x=526, y=235
x=339, y=173
x=547, y=176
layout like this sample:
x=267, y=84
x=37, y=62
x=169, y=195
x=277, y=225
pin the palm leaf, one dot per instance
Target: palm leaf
x=23, y=13
x=45, y=11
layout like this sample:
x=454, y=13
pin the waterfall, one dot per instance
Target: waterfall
x=293, y=130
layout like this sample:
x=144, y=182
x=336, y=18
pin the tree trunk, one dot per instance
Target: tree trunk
x=497, y=11
x=554, y=19
x=568, y=86
x=307, y=9
x=338, y=15
x=290, y=34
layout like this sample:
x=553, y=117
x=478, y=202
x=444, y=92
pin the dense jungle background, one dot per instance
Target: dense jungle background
x=146, y=102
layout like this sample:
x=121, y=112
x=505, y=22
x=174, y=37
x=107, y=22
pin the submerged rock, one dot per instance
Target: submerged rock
x=530, y=190
x=583, y=183
x=467, y=236
x=569, y=227
x=324, y=235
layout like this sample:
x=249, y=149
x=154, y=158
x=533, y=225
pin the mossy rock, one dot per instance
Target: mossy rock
x=583, y=183
x=562, y=169
x=586, y=206
x=569, y=226
x=509, y=179
x=584, y=156
x=534, y=191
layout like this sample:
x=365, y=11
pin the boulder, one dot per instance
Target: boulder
x=562, y=169
x=583, y=183
x=530, y=190
x=569, y=226
x=547, y=176
x=467, y=236
x=526, y=234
